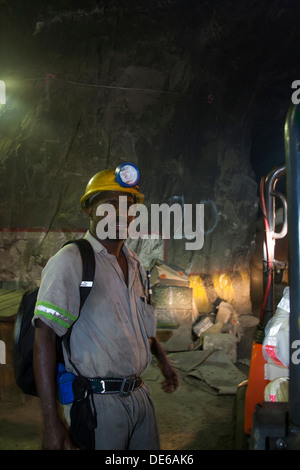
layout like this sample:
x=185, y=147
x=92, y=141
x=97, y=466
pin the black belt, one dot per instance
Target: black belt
x=122, y=386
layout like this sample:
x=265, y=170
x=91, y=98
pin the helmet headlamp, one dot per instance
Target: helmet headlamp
x=127, y=175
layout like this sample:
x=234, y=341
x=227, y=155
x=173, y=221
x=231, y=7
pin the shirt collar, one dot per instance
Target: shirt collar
x=133, y=261
x=97, y=246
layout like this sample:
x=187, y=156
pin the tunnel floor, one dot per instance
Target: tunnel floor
x=189, y=419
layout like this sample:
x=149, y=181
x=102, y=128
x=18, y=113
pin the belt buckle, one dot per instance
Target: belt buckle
x=131, y=384
x=98, y=385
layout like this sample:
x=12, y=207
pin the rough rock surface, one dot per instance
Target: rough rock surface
x=175, y=90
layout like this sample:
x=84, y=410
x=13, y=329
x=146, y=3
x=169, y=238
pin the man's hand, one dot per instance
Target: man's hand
x=57, y=438
x=172, y=381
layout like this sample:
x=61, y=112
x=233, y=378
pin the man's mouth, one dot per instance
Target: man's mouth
x=123, y=223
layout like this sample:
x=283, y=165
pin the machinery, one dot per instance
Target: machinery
x=264, y=425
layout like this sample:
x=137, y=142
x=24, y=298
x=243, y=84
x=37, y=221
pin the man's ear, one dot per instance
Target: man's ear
x=91, y=212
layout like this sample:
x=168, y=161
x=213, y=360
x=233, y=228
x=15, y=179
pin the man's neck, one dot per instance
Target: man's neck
x=113, y=247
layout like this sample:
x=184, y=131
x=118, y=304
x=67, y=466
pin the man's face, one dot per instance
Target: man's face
x=113, y=216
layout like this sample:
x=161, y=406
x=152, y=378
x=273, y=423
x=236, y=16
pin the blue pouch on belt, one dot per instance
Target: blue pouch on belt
x=65, y=381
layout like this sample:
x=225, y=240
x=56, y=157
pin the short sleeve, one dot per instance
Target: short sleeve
x=149, y=318
x=58, y=298
x=147, y=311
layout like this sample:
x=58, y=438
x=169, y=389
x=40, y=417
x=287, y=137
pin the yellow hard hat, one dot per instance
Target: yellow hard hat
x=123, y=179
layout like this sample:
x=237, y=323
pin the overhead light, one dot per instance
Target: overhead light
x=2, y=92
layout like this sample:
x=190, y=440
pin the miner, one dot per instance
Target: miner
x=112, y=340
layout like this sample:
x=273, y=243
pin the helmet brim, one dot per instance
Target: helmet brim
x=87, y=198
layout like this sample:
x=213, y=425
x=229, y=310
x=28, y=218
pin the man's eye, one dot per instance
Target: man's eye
x=116, y=204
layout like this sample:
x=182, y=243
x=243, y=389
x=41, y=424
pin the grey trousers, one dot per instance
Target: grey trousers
x=125, y=423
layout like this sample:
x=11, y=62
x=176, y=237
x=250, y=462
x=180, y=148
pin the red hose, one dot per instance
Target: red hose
x=269, y=261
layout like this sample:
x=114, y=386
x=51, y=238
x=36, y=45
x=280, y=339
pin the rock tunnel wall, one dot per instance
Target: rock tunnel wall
x=93, y=84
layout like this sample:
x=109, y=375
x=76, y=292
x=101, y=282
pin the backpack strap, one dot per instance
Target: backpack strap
x=88, y=273
x=88, y=267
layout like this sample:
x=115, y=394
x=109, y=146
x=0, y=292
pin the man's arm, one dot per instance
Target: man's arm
x=172, y=381
x=55, y=434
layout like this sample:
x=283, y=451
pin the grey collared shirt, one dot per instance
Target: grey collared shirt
x=110, y=337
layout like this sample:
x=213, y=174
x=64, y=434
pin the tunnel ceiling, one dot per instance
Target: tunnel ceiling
x=194, y=92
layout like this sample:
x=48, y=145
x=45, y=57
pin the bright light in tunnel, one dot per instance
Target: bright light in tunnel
x=2, y=92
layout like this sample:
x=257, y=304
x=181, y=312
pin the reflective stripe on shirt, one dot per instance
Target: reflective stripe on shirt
x=55, y=313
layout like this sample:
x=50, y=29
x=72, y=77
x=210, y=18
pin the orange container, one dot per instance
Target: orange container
x=256, y=385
